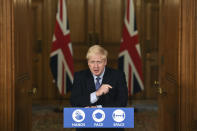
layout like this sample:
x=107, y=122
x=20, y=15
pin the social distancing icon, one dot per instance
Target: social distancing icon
x=118, y=115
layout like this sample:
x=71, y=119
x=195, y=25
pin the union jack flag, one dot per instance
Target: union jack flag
x=61, y=61
x=130, y=56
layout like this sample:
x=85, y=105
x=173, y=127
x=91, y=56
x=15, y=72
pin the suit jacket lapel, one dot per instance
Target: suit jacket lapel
x=106, y=76
x=90, y=82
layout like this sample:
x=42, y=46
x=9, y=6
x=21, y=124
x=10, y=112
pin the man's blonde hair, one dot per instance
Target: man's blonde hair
x=97, y=50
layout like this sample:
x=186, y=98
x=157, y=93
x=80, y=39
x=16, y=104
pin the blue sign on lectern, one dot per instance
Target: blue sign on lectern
x=98, y=117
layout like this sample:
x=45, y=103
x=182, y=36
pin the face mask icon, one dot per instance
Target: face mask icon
x=98, y=115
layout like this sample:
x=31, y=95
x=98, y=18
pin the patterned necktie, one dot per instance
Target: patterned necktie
x=98, y=83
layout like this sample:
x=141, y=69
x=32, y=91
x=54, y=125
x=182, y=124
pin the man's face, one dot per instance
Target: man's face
x=96, y=64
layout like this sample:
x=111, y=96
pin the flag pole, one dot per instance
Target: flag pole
x=59, y=107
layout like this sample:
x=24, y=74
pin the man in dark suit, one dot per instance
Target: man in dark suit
x=99, y=86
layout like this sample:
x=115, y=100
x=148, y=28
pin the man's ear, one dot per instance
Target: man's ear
x=106, y=62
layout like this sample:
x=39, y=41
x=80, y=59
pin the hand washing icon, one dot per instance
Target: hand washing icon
x=78, y=115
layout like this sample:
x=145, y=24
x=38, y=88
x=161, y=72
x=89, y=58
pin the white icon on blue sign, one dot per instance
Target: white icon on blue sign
x=118, y=115
x=98, y=115
x=78, y=115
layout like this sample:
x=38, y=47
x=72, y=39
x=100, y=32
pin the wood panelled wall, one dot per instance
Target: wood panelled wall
x=188, y=68
x=15, y=65
x=23, y=41
x=44, y=13
x=93, y=22
x=148, y=25
x=6, y=67
x=169, y=46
